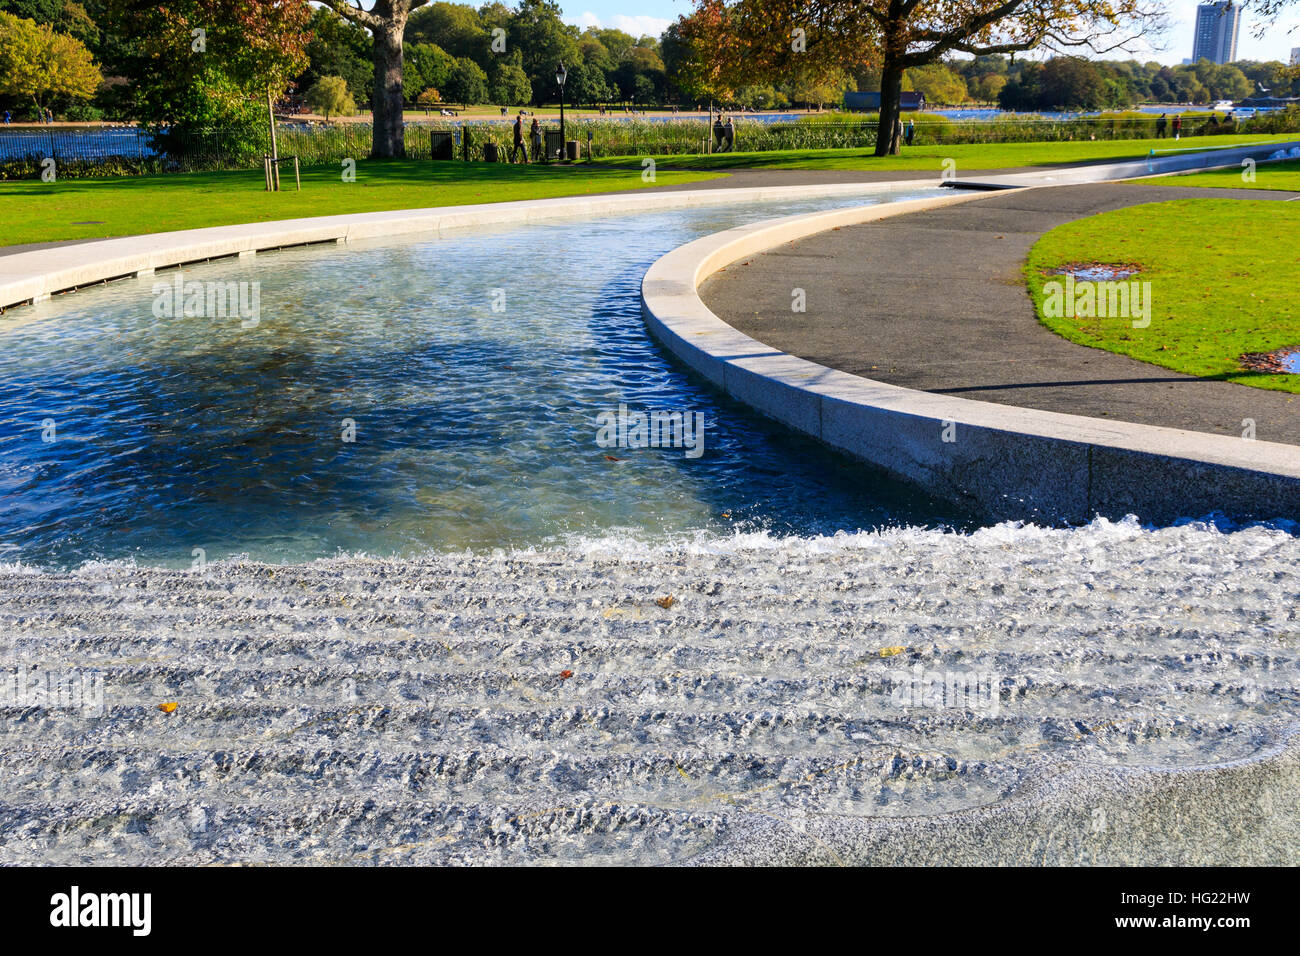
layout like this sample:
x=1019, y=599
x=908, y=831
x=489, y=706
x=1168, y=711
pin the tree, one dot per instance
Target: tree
x=544, y=40
x=64, y=16
x=455, y=27
x=467, y=83
x=1071, y=84
x=987, y=87
x=329, y=96
x=644, y=90
x=38, y=64
x=938, y=83
x=594, y=53
x=585, y=84
x=386, y=21
x=759, y=36
x=338, y=48
x=208, y=63
x=816, y=89
x=426, y=65
x=510, y=86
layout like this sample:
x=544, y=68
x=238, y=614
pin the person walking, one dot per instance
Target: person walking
x=911, y=131
x=519, y=140
x=9, y=117
x=1161, y=124
x=729, y=135
x=1178, y=126
x=535, y=138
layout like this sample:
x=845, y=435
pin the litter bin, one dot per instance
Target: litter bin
x=572, y=151
x=489, y=152
x=552, y=144
x=442, y=144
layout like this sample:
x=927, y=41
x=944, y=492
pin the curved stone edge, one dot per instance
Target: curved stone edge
x=1242, y=812
x=1003, y=461
x=34, y=276
x=1171, y=165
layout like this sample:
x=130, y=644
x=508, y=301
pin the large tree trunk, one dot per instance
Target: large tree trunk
x=891, y=89
x=389, y=141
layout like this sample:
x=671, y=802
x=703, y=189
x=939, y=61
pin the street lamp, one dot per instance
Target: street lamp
x=561, y=74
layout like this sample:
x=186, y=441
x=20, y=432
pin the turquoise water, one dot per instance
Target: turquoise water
x=127, y=434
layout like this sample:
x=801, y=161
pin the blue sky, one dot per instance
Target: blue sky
x=652, y=16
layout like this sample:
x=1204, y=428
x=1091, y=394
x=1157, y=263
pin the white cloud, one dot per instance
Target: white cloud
x=638, y=26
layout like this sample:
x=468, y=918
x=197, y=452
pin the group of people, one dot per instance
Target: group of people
x=47, y=116
x=724, y=134
x=906, y=131
x=534, y=139
x=1213, y=126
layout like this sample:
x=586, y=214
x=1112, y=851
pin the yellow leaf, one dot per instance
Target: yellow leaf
x=168, y=707
x=666, y=602
x=891, y=651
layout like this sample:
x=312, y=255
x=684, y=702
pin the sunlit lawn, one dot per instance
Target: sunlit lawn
x=1223, y=276
x=33, y=211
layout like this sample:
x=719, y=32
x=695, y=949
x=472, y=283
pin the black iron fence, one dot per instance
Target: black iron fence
x=99, y=151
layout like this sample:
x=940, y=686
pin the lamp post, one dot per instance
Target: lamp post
x=561, y=74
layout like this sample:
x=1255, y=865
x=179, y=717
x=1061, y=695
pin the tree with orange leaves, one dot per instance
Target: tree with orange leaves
x=735, y=42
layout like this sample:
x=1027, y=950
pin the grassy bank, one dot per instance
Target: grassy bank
x=33, y=211
x=967, y=156
x=1283, y=176
x=1214, y=297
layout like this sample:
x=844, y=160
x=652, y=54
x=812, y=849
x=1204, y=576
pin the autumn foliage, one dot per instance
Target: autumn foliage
x=746, y=41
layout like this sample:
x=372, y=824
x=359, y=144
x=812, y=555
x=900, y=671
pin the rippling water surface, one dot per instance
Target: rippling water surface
x=505, y=680
x=473, y=427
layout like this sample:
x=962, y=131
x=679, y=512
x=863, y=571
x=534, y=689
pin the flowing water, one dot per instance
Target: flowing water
x=401, y=396
x=468, y=636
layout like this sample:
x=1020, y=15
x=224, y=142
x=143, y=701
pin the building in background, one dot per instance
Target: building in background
x=908, y=101
x=1216, y=32
x=1295, y=56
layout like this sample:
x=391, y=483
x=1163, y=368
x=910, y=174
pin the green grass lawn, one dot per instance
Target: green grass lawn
x=33, y=211
x=968, y=157
x=1284, y=176
x=1223, y=276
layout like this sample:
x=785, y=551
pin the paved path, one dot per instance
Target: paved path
x=936, y=301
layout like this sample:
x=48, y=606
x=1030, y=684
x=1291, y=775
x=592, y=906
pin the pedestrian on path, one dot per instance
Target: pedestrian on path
x=535, y=138
x=519, y=140
x=1178, y=126
x=911, y=131
x=1161, y=124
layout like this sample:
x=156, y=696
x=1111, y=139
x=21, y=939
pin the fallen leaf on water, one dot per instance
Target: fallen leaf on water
x=891, y=651
x=623, y=612
x=666, y=602
x=168, y=707
x=612, y=458
x=565, y=675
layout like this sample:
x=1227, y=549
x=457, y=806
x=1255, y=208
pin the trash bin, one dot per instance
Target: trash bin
x=489, y=152
x=572, y=151
x=552, y=144
x=442, y=145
